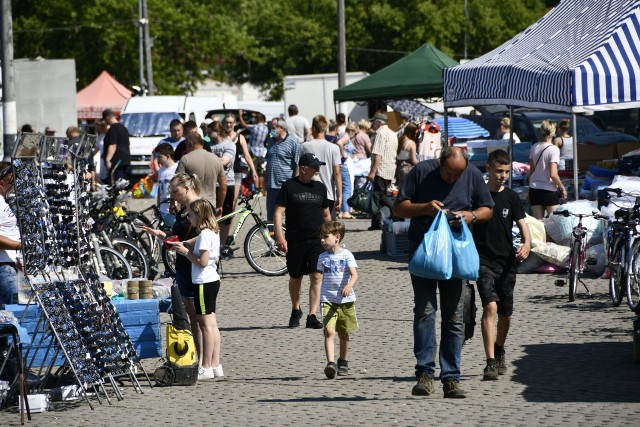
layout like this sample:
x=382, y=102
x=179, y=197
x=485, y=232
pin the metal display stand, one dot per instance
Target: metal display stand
x=78, y=321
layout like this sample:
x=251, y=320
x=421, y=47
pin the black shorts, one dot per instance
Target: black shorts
x=205, y=297
x=302, y=257
x=496, y=282
x=544, y=198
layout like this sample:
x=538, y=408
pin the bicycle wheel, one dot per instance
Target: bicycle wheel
x=169, y=261
x=633, y=281
x=262, y=253
x=574, y=270
x=617, y=278
x=115, y=265
x=133, y=255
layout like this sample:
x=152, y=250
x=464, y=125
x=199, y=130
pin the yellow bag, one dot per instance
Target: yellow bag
x=181, y=348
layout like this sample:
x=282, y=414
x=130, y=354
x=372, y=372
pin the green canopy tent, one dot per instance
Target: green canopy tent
x=417, y=75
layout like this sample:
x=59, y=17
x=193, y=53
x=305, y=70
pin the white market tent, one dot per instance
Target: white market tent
x=583, y=55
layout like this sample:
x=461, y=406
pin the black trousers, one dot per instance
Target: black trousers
x=380, y=188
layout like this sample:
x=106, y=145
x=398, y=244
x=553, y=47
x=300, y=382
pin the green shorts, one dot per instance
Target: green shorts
x=341, y=317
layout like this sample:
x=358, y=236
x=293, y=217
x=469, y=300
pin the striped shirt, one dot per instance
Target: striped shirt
x=282, y=160
x=385, y=145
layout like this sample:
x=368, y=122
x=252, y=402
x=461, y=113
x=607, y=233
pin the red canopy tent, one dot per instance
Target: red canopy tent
x=102, y=93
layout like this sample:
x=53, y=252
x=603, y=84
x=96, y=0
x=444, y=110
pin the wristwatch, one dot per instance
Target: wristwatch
x=473, y=217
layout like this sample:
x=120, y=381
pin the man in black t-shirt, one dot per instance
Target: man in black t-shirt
x=117, y=156
x=498, y=261
x=307, y=207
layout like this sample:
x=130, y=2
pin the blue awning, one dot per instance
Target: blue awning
x=582, y=55
x=462, y=128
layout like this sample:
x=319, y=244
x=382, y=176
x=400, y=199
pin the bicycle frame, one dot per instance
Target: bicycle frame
x=243, y=212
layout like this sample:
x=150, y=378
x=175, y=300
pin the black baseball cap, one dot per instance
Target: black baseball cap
x=310, y=159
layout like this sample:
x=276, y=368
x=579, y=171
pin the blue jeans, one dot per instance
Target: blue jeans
x=272, y=195
x=8, y=284
x=424, y=326
x=346, y=187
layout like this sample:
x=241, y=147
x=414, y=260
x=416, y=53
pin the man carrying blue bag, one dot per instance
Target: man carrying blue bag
x=433, y=185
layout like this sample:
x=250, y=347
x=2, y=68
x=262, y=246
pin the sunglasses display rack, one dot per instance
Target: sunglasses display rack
x=78, y=323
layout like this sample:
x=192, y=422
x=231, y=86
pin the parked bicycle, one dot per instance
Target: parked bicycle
x=577, y=252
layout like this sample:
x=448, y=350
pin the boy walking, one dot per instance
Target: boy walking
x=498, y=261
x=338, y=267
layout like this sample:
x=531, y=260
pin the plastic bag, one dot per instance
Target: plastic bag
x=466, y=261
x=433, y=258
x=559, y=228
x=536, y=230
x=364, y=199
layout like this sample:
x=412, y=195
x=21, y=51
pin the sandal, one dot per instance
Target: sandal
x=346, y=215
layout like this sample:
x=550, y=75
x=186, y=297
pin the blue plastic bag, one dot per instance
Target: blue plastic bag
x=466, y=261
x=433, y=258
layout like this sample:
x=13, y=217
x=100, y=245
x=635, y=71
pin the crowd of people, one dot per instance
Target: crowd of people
x=306, y=172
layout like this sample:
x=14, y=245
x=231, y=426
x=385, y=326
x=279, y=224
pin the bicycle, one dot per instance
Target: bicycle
x=577, y=252
x=623, y=252
x=260, y=247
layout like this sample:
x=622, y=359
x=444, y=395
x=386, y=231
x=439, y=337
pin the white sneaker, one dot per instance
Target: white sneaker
x=205, y=373
x=217, y=372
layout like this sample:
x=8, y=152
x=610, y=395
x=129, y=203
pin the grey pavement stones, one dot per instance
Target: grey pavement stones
x=568, y=363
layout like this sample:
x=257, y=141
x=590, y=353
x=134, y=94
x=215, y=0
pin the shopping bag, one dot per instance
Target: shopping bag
x=433, y=258
x=466, y=261
x=364, y=199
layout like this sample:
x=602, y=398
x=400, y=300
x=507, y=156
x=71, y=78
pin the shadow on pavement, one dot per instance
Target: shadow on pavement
x=253, y=328
x=589, y=372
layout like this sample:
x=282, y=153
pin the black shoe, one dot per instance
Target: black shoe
x=294, y=320
x=343, y=367
x=374, y=228
x=424, y=387
x=313, y=322
x=330, y=370
x=490, y=372
x=500, y=359
x=452, y=389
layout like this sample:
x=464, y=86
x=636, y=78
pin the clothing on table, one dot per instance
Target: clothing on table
x=208, y=241
x=542, y=155
x=336, y=275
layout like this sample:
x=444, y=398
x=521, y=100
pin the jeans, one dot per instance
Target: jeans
x=8, y=284
x=346, y=187
x=272, y=195
x=424, y=326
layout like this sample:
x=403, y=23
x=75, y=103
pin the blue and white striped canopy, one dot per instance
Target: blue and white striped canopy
x=463, y=128
x=582, y=55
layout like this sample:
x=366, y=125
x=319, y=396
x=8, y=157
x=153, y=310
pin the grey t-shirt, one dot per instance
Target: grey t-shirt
x=296, y=126
x=226, y=148
x=326, y=152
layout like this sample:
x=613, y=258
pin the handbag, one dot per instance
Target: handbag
x=433, y=258
x=466, y=261
x=364, y=199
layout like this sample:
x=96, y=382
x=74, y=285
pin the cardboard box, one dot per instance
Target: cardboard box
x=591, y=154
x=395, y=120
x=623, y=148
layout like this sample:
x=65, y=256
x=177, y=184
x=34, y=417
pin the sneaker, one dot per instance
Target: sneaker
x=205, y=373
x=294, y=320
x=500, y=360
x=343, y=367
x=490, y=372
x=452, y=389
x=424, y=387
x=217, y=372
x=313, y=322
x=330, y=370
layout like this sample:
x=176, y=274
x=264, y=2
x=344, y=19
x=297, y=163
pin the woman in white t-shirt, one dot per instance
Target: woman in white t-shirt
x=544, y=181
x=204, y=251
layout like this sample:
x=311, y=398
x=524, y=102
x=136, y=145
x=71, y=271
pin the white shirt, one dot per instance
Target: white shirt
x=516, y=139
x=164, y=179
x=8, y=228
x=335, y=276
x=209, y=241
x=296, y=126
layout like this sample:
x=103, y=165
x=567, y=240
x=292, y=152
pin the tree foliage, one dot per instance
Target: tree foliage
x=257, y=41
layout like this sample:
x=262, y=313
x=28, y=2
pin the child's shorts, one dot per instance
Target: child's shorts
x=496, y=282
x=341, y=317
x=205, y=298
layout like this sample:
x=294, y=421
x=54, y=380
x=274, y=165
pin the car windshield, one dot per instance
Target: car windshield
x=585, y=127
x=148, y=124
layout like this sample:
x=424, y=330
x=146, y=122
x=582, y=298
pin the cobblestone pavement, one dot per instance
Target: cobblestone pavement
x=568, y=363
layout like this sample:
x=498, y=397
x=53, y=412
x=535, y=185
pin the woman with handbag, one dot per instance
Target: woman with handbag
x=544, y=181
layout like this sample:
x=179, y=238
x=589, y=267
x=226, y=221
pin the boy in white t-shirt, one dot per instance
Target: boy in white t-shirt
x=338, y=267
x=167, y=171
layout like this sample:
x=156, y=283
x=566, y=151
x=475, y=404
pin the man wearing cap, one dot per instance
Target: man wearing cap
x=383, y=161
x=307, y=206
x=49, y=131
x=117, y=156
x=329, y=154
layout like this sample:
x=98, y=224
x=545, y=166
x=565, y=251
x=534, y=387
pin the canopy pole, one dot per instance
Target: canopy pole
x=445, y=143
x=574, y=125
x=511, y=145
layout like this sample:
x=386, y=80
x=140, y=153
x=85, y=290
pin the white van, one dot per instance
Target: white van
x=147, y=118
